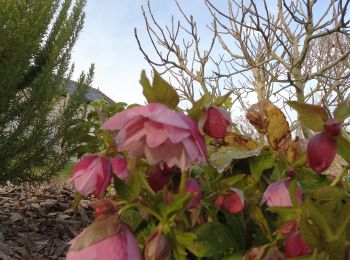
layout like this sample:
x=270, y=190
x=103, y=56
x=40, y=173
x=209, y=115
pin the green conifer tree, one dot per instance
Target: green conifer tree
x=39, y=127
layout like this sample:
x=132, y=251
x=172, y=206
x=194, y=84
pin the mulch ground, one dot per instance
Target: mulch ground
x=38, y=222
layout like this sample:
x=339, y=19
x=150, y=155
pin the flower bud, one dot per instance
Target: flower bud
x=158, y=177
x=92, y=174
x=215, y=122
x=295, y=245
x=290, y=172
x=104, y=208
x=120, y=167
x=234, y=201
x=157, y=247
x=219, y=201
x=193, y=186
x=288, y=227
x=332, y=127
x=277, y=194
x=321, y=151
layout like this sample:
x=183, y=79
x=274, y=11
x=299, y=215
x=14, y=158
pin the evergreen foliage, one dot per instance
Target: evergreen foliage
x=39, y=123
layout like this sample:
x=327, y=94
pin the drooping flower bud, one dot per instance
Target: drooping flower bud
x=233, y=202
x=321, y=151
x=277, y=194
x=159, y=177
x=295, y=245
x=332, y=127
x=195, y=188
x=92, y=174
x=104, y=208
x=157, y=247
x=219, y=201
x=288, y=227
x=215, y=122
x=290, y=172
x=120, y=167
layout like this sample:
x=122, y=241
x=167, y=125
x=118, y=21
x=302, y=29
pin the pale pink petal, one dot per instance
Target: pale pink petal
x=176, y=134
x=162, y=114
x=155, y=134
x=191, y=148
x=135, y=149
x=120, y=167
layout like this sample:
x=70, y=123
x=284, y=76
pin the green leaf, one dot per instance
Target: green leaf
x=342, y=111
x=132, y=218
x=198, y=106
x=184, y=238
x=238, y=227
x=343, y=145
x=131, y=189
x=123, y=190
x=259, y=164
x=178, y=203
x=327, y=193
x=231, y=181
x=292, y=192
x=212, y=239
x=286, y=213
x=224, y=156
x=310, y=116
x=219, y=101
x=160, y=91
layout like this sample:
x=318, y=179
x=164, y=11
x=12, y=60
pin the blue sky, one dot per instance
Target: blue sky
x=108, y=41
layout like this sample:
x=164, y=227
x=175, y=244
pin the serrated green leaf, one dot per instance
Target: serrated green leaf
x=184, y=238
x=212, y=239
x=123, y=190
x=147, y=88
x=132, y=218
x=160, y=91
x=238, y=226
x=286, y=213
x=231, y=181
x=219, y=101
x=178, y=203
x=198, y=106
x=310, y=116
x=259, y=164
x=342, y=111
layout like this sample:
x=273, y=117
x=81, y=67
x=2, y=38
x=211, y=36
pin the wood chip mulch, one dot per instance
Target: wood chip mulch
x=38, y=222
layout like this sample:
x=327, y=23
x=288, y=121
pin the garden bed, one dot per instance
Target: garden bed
x=37, y=222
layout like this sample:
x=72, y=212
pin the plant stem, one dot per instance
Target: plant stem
x=183, y=182
x=339, y=177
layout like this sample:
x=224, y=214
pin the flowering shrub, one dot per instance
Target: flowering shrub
x=189, y=185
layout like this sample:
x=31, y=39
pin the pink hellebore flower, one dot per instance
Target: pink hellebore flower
x=120, y=246
x=193, y=186
x=120, y=167
x=277, y=194
x=321, y=151
x=215, y=122
x=160, y=134
x=295, y=245
x=92, y=174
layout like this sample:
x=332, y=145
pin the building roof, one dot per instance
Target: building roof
x=92, y=94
